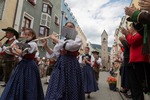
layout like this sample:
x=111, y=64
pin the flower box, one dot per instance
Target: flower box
x=112, y=81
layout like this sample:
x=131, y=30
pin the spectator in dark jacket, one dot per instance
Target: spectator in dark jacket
x=139, y=62
x=125, y=66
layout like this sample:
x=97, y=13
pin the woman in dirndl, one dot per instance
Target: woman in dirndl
x=89, y=78
x=66, y=78
x=25, y=82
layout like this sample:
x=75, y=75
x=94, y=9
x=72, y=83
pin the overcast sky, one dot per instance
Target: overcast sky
x=95, y=16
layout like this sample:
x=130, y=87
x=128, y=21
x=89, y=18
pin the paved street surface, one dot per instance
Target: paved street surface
x=103, y=94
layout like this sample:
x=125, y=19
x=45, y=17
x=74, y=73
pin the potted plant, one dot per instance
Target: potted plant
x=112, y=81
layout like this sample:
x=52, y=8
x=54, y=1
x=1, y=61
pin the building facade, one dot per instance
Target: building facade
x=43, y=16
x=28, y=15
x=116, y=48
x=67, y=15
x=55, y=18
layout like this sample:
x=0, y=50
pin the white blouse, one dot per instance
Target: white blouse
x=71, y=45
x=33, y=47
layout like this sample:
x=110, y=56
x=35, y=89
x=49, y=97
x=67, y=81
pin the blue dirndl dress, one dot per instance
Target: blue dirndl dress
x=66, y=80
x=24, y=83
x=89, y=79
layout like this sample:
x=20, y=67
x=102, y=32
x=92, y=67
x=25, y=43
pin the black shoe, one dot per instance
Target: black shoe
x=88, y=96
x=129, y=95
x=146, y=90
x=123, y=91
x=116, y=89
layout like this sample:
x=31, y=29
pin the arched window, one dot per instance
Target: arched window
x=104, y=39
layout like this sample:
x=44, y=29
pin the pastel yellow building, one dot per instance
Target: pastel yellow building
x=82, y=35
x=7, y=14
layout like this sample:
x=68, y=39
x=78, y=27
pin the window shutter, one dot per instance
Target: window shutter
x=43, y=19
x=48, y=21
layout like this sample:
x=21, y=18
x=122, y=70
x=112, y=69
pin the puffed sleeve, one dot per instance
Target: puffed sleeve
x=73, y=45
x=69, y=45
x=32, y=47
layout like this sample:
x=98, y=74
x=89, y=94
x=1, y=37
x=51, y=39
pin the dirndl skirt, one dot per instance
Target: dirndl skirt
x=24, y=83
x=66, y=80
x=89, y=79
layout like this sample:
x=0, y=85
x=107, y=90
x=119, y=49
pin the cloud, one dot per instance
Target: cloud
x=95, y=17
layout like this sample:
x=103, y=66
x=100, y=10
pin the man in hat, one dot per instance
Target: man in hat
x=96, y=64
x=6, y=54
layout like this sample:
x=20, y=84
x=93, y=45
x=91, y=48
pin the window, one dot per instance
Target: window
x=27, y=22
x=73, y=17
x=66, y=16
x=47, y=9
x=2, y=3
x=41, y=33
x=68, y=8
x=33, y=2
x=46, y=15
x=56, y=21
x=45, y=20
x=44, y=31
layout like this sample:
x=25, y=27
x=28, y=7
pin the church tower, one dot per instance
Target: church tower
x=104, y=51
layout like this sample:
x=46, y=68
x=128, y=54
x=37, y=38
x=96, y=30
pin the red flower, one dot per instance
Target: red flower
x=112, y=80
